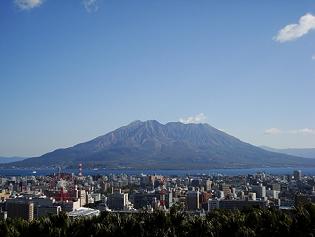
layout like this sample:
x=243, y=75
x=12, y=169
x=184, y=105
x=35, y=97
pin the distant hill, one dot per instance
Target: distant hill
x=174, y=145
x=302, y=152
x=4, y=160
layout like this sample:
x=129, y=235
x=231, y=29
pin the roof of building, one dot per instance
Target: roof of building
x=83, y=211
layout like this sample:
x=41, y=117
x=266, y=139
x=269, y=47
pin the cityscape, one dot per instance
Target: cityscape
x=30, y=197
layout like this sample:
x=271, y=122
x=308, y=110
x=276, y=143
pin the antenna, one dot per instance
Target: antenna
x=59, y=172
x=80, y=169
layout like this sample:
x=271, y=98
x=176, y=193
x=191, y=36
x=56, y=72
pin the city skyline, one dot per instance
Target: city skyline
x=72, y=71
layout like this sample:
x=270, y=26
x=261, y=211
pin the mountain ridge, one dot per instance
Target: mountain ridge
x=150, y=144
x=302, y=152
x=4, y=159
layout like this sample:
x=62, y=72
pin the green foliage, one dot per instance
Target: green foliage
x=249, y=222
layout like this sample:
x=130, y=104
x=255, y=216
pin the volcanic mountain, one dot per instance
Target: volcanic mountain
x=174, y=145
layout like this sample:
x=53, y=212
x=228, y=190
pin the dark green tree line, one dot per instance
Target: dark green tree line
x=248, y=222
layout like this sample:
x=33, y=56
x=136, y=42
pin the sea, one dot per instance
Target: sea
x=212, y=172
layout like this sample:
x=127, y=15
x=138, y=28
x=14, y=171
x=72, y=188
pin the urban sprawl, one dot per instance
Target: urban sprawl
x=30, y=197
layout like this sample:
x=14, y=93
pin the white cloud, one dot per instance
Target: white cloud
x=313, y=57
x=199, y=118
x=28, y=4
x=277, y=131
x=295, y=31
x=272, y=131
x=90, y=5
x=303, y=131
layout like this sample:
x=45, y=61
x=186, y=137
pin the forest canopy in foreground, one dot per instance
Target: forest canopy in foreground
x=250, y=222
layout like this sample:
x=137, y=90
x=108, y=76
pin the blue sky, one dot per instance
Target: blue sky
x=73, y=70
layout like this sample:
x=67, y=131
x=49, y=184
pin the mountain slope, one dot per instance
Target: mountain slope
x=173, y=145
x=302, y=152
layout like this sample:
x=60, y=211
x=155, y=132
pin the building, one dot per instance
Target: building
x=213, y=204
x=285, y=202
x=251, y=196
x=273, y=194
x=235, y=204
x=96, y=197
x=83, y=212
x=276, y=186
x=165, y=198
x=143, y=200
x=20, y=208
x=82, y=197
x=169, y=199
x=69, y=206
x=118, y=200
x=192, y=200
x=196, y=183
x=226, y=189
x=203, y=199
x=4, y=195
x=297, y=174
x=3, y=215
x=47, y=210
x=260, y=191
x=208, y=185
x=44, y=206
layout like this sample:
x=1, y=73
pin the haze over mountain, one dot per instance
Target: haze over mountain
x=302, y=152
x=4, y=160
x=151, y=144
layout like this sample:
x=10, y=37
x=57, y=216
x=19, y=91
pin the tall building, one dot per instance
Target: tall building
x=192, y=200
x=208, y=185
x=276, y=186
x=260, y=190
x=82, y=197
x=204, y=197
x=169, y=199
x=297, y=175
x=117, y=200
x=20, y=208
x=226, y=189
